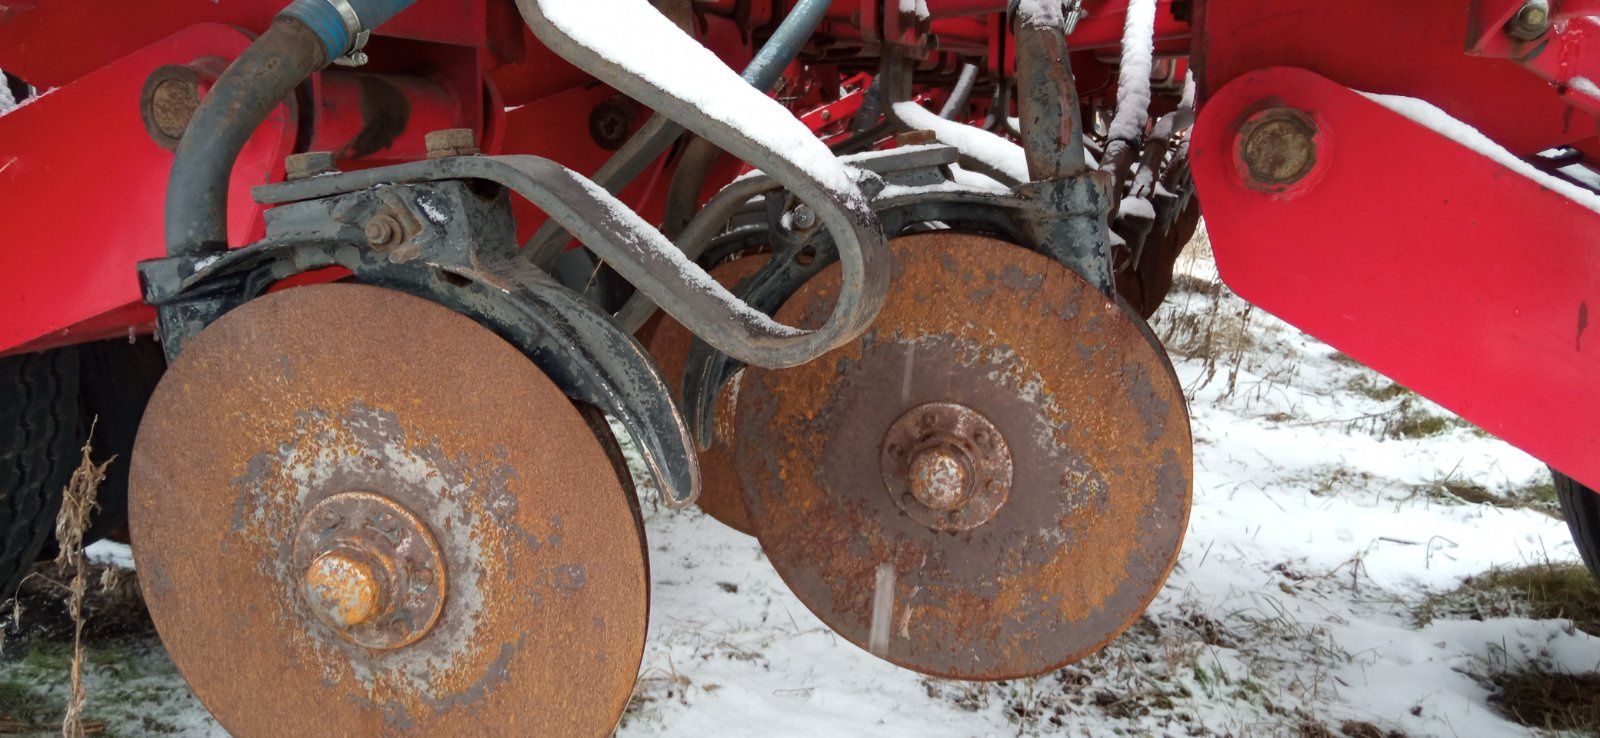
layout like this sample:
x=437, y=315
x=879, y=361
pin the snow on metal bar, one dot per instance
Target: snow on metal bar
x=636, y=36
x=1133, y=78
x=1004, y=156
x=1431, y=117
x=620, y=213
x=1041, y=13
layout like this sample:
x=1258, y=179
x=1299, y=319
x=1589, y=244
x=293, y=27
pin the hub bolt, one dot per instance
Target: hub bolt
x=946, y=466
x=940, y=479
x=344, y=590
x=1278, y=147
x=369, y=570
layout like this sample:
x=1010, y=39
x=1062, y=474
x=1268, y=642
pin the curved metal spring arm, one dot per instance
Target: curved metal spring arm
x=719, y=106
x=620, y=236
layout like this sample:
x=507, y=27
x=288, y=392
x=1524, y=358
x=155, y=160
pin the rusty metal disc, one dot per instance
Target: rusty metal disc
x=991, y=483
x=719, y=476
x=356, y=512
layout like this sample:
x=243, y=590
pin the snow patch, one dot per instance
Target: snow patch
x=1431, y=117
x=989, y=148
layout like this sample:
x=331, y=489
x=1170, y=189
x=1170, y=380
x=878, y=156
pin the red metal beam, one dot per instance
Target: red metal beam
x=82, y=186
x=1424, y=259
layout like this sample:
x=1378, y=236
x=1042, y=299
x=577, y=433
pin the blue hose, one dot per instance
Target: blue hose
x=769, y=63
x=323, y=18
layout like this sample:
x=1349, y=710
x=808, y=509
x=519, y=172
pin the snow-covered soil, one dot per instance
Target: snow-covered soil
x=1318, y=530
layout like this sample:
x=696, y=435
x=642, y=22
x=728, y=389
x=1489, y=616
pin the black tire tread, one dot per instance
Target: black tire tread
x=39, y=428
x=1581, y=507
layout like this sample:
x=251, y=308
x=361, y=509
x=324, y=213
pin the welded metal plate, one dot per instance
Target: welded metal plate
x=720, y=496
x=346, y=389
x=1088, y=408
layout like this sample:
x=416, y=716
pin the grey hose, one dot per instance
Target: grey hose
x=243, y=97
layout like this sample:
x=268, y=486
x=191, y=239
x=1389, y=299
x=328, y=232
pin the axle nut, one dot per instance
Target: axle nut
x=369, y=570
x=1278, y=147
x=939, y=479
x=343, y=590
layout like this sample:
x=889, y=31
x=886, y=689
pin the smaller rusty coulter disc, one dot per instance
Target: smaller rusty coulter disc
x=720, y=496
x=990, y=483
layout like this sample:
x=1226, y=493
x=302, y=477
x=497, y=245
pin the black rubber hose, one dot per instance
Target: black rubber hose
x=243, y=97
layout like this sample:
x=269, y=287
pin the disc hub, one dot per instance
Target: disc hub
x=369, y=570
x=946, y=466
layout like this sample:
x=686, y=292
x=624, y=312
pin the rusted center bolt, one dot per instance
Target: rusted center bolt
x=344, y=590
x=940, y=479
x=1278, y=146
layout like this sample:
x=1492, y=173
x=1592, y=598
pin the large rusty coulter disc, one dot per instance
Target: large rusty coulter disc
x=720, y=496
x=356, y=512
x=991, y=483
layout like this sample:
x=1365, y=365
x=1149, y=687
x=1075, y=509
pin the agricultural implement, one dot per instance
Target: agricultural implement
x=374, y=301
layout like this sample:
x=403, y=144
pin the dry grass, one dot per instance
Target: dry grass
x=1540, y=591
x=78, y=505
x=77, y=509
x=1550, y=700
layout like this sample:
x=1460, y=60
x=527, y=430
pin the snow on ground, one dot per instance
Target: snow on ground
x=1313, y=539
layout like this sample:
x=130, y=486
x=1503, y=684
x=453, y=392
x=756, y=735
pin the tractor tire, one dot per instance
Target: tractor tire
x=39, y=437
x=117, y=379
x=1581, y=507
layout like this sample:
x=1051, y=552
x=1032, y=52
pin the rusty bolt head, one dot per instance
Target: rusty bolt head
x=173, y=103
x=940, y=478
x=383, y=230
x=170, y=97
x=308, y=164
x=451, y=142
x=1530, y=22
x=1278, y=147
x=345, y=590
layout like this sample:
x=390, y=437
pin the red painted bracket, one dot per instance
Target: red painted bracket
x=82, y=192
x=1461, y=279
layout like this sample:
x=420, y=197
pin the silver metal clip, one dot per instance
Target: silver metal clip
x=355, y=57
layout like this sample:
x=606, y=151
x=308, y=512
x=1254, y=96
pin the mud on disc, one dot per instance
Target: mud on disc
x=990, y=483
x=355, y=512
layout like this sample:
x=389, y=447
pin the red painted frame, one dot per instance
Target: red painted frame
x=1425, y=260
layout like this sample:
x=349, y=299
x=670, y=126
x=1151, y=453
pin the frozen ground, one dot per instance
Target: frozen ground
x=1320, y=526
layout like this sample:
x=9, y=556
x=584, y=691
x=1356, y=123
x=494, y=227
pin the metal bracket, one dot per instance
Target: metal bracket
x=463, y=255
